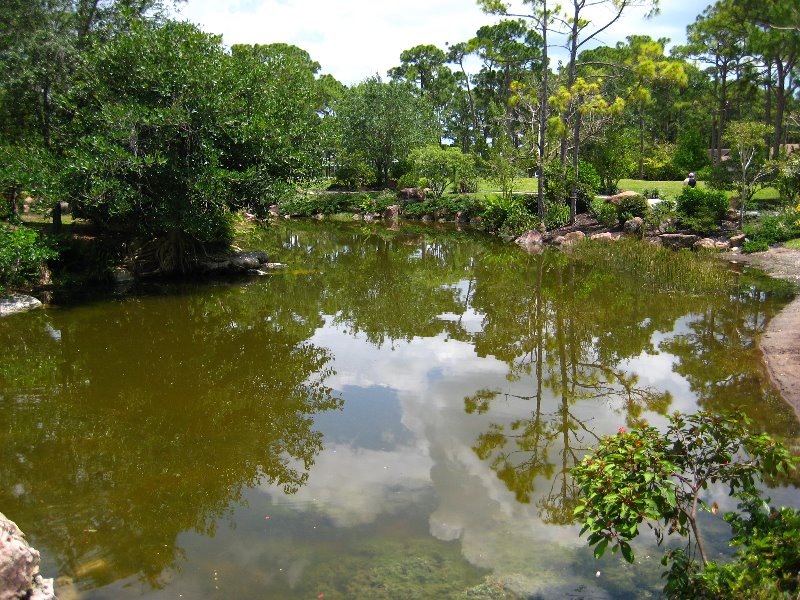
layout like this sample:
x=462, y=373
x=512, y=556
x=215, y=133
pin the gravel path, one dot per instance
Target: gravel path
x=780, y=343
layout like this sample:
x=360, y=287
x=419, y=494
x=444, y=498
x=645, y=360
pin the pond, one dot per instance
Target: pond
x=392, y=416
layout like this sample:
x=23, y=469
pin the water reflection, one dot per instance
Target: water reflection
x=396, y=407
x=147, y=417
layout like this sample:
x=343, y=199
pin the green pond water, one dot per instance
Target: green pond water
x=392, y=416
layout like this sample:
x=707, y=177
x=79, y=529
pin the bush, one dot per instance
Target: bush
x=556, y=215
x=507, y=214
x=416, y=210
x=632, y=206
x=751, y=246
x=776, y=228
x=408, y=180
x=22, y=254
x=663, y=211
x=604, y=212
x=558, y=184
x=328, y=203
x=694, y=202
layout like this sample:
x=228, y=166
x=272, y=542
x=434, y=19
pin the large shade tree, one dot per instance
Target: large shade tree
x=382, y=122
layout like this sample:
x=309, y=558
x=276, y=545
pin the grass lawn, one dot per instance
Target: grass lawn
x=793, y=244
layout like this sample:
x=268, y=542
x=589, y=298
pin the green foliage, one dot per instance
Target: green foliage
x=383, y=122
x=419, y=209
x=658, y=165
x=613, y=157
x=661, y=213
x=657, y=478
x=750, y=246
x=556, y=215
x=558, y=184
x=694, y=202
x=443, y=167
x=787, y=178
x=773, y=229
x=632, y=206
x=691, y=152
x=506, y=214
x=604, y=212
x=767, y=557
x=22, y=254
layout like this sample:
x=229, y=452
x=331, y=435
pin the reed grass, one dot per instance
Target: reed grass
x=658, y=268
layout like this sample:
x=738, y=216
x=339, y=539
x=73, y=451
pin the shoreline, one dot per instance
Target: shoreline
x=780, y=342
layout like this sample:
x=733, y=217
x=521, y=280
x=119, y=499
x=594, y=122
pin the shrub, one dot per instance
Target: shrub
x=702, y=204
x=408, y=180
x=776, y=228
x=751, y=246
x=558, y=184
x=418, y=209
x=22, y=254
x=556, y=215
x=632, y=206
x=507, y=214
x=604, y=212
x=327, y=203
x=663, y=211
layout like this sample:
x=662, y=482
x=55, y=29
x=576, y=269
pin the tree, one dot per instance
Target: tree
x=425, y=67
x=748, y=149
x=384, y=122
x=657, y=478
x=442, y=167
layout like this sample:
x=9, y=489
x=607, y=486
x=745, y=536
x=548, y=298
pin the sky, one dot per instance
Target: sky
x=354, y=39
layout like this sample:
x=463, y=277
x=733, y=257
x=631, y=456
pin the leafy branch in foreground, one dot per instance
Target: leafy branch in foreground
x=657, y=478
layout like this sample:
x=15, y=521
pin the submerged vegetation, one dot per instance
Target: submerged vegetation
x=660, y=269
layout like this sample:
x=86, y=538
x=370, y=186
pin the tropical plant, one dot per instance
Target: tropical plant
x=661, y=479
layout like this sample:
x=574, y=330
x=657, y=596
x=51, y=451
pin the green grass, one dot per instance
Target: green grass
x=793, y=244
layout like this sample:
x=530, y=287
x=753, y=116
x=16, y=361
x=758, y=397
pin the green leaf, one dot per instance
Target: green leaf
x=600, y=549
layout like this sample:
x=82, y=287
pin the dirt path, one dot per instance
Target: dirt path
x=780, y=343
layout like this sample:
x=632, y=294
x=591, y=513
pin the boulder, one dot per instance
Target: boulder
x=461, y=217
x=19, y=566
x=617, y=198
x=318, y=217
x=411, y=194
x=732, y=214
x=736, y=241
x=573, y=236
x=356, y=217
x=17, y=303
x=392, y=212
x=274, y=211
x=722, y=246
x=634, y=227
x=122, y=275
x=704, y=244
x=606, y=235
x=529, y=238
x=677, y=241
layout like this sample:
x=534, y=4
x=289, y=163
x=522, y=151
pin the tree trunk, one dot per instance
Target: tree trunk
x=542, y=115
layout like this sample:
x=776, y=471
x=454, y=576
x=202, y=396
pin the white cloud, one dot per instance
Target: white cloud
x=353, y=39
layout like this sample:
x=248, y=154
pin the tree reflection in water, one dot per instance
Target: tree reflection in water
x=127, y=423
x=572, y=331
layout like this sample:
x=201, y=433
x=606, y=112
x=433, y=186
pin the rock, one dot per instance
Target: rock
x=617, y=198
x=736, y=241
x=411, y=194
x=274, y=211
x=573, y=236
x=461, y=217
x=319, y=217
x=606, y=235
x=704, y=244
x=678, y=240
x=17, y=303
x=122, y=275
x=475, y=221
x=392, y=212
x=559, y=240
x=356, y=217
x=427, y=218
x=634, y=227
x=529, y=238
x=234, y=263
x=19, y=566
x=732, y=215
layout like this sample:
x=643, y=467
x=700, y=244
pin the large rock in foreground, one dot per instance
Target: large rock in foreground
x=17, y=303
x=19, y=566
